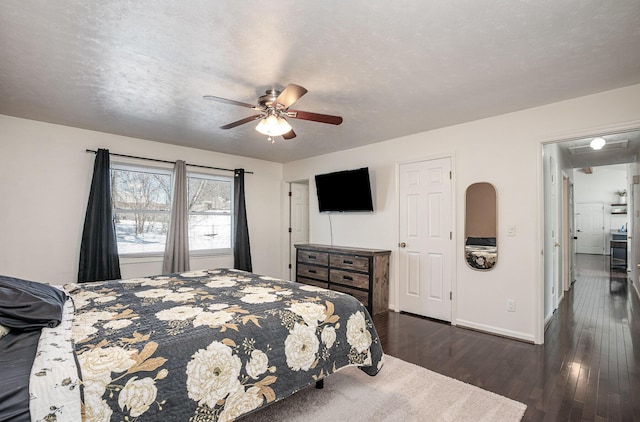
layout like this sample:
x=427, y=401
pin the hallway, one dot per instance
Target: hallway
x=588, y=369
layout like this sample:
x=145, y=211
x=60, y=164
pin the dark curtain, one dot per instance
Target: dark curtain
x=241, y=248
x=99, y=249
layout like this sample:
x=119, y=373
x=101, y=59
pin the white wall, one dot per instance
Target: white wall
x=601, y=187
x=503, y=150
x=45, y=175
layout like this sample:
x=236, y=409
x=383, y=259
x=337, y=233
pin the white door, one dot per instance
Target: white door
x=298, y=221
x=555, y=232
x=590, y=228
x=569, y=249
x=426, y=249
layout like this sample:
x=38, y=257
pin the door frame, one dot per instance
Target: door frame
x=568, y=247
x=290, y=262
x=539, y=291
x=634, y=227
x=394, y=303
x=556, y=230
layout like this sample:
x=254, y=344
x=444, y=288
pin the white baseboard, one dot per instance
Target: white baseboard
x=548, y=319
x=529, y=338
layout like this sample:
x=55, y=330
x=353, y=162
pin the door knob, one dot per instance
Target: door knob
x=557, y=245
x=402, y=245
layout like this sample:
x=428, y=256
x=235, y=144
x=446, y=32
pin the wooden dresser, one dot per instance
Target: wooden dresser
x=362, y=273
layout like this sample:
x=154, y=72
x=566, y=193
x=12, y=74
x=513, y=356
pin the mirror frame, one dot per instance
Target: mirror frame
x=481, y=226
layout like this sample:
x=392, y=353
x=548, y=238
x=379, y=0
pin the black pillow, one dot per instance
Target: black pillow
x=481, y=241
x=29, y=305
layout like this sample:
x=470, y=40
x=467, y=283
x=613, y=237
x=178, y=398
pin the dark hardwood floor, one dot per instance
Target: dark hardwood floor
x=587, y=370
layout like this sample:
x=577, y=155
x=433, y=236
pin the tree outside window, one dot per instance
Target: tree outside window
x=142, y=207
x=209, y=212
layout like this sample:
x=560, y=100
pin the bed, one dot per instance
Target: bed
x=481, y=253
x=204, y=346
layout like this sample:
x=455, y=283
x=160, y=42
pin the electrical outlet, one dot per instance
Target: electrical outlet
x=511, y=230
x=511, y=305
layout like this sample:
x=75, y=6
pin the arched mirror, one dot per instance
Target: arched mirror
x=480, y=228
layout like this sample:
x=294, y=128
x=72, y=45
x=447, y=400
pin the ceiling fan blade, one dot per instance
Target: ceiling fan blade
x=289, y=135
x=242, y=121
x=290, y=95
x=314, y=117
x=227, y=101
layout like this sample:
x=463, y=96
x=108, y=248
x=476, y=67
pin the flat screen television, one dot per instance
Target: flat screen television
x=344, y=191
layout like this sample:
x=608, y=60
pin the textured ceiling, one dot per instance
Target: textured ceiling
x=140, y=68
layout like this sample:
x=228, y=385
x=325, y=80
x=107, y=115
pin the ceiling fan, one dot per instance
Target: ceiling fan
x=273, y=108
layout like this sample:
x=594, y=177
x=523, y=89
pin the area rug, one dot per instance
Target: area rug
x=400, y=392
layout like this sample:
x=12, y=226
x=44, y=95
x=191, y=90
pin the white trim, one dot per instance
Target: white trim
x=496, y=330
x=592, y=131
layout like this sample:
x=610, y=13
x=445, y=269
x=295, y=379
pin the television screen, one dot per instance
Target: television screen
x=344, y=191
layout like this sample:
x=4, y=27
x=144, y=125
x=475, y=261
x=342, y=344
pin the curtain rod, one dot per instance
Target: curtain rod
x=166, y=161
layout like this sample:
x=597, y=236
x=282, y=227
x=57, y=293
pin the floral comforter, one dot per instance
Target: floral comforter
x=481, y=257
x=210, y=345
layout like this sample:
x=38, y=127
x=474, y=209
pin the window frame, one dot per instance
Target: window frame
x=199, y=253
x=219, y=251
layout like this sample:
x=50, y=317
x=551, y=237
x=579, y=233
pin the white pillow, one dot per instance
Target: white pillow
x=3, y=331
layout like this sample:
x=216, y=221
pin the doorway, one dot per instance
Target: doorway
x=298, y=220
x=593, y=218
x=425, y=249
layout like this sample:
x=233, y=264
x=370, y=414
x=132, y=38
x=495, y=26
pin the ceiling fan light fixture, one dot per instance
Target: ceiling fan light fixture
x=597, y=143
x=273, y=125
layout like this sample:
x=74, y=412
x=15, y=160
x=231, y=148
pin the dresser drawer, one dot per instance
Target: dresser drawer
x=318, y=273
x=349, y=262
x=311, y=282
x=363, y=297
x=311, y=257
x=349, y=278
x=359, y=272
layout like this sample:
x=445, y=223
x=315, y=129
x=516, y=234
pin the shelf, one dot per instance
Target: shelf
x=618, y=209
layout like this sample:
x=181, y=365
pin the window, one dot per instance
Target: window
x=141, y=199
x=209, y=212
x=141, y=208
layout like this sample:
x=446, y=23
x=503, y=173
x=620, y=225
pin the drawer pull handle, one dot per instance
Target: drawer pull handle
x=346, y=261
x=313, y=257
x=347, y=277
x=312, y=271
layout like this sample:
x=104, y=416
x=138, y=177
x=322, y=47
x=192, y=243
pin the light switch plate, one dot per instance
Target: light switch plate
x=511, y=230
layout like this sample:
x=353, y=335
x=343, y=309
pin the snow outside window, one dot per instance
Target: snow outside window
x=210, y=221
x=142, y=206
